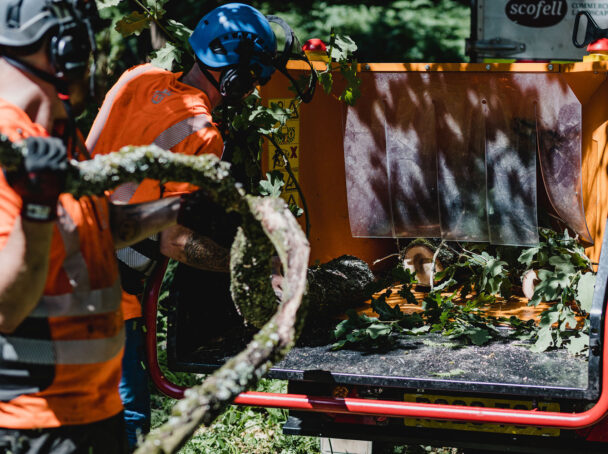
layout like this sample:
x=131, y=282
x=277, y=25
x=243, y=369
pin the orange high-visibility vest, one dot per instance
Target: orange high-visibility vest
x=62, y=365
x=150, y=105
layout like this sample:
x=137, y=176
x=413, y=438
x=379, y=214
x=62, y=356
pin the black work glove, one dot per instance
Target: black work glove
x=41, y=178
x=205, y=217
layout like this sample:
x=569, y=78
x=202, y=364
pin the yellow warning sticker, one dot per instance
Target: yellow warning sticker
x=290, y=191
x=289, y=133
x=290, y=184
x=277, y=159
x=292, y=198
x=287, y=103
x=289, y=141
x=480, y=402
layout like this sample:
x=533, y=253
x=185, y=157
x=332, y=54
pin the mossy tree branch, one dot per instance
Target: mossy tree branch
x=203, y=403
x=268, y=226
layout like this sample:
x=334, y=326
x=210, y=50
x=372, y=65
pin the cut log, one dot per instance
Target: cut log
x=338, y=285
x=528, y=283
x=419, y=253
x=419, y=259
x=333, y=287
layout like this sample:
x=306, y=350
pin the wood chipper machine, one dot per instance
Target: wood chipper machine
x=475, y=152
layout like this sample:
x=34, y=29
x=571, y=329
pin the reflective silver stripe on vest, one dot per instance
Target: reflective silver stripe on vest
x=34, y=351
x=74, y=263
x=124, y=192
x=174, y=134
x=166, y=140
x=99, y=301
x=82, y=301
x=135, y=260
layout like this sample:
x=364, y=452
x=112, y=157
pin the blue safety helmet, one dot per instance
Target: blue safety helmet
x=238, y=40
x=217, y=38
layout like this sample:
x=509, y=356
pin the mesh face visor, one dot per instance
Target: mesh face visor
x=292, y=50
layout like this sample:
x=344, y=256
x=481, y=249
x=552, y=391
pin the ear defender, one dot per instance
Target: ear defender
x=238, y=81
x=70, y=48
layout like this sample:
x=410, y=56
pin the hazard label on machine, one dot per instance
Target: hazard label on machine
x=277, y=158
x=481, y=402
x=289, y=143
x=290, y=191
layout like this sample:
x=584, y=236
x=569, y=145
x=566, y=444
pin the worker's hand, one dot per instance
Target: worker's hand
x=200, y=214
x=41, y=178
x=194, y=211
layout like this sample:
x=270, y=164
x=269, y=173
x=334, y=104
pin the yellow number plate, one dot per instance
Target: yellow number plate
x=480, y=427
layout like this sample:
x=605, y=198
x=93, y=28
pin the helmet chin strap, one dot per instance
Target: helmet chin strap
x=225, y=96
x=61, y=87
x=208, y=75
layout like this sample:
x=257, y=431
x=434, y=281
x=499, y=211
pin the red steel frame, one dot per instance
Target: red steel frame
x=356, y=406
x=150, y=308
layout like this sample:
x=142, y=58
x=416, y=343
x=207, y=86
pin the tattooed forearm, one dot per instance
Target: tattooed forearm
x=204, y=253
x=132, y=223
x=198, y=251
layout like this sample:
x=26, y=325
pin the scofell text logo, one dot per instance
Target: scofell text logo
x=536, y=13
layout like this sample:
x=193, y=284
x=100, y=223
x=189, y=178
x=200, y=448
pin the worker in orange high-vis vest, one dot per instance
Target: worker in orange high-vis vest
x=61, y=324
x=236, y=49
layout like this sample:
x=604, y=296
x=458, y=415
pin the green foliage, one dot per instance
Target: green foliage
x=241, y=429
x=341, y=50
x=481, y=273
x=385, y=31
x=132, y=24
x=361, y=332
x=272, y=185
x=136, y=21
x=584, y=291
x=392, y=31
x=567, y=280
x=455, y=305
x=167, y=56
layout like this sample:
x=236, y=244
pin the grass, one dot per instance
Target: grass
x=241, y=429
x=250, y=430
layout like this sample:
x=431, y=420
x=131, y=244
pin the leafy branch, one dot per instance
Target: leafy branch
x=455, y=307
x=567, y=280
x=268, y=229
x=341, y=50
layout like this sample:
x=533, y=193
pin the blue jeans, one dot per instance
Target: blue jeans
x=134, y=389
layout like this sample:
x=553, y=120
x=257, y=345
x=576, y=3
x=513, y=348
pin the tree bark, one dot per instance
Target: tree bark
x=338, y=285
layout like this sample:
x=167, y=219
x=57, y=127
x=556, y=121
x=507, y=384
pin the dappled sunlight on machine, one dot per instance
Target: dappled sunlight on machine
x=453, y=154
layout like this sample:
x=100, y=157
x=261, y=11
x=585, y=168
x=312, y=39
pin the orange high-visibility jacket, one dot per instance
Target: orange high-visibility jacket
x=61, y=366
x=150, y=105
